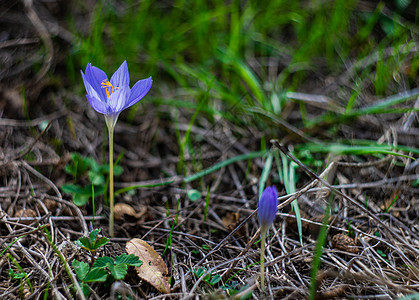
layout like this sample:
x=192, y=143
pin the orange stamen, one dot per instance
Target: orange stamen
x=105, y=85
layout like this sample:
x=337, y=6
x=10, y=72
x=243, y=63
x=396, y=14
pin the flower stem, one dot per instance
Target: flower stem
x=111, y=196
x=262, y=257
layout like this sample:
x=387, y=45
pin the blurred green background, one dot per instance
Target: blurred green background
x=240, y=58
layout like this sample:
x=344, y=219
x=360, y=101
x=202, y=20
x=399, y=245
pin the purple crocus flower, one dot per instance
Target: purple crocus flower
x=268, y=203
x=111, y=97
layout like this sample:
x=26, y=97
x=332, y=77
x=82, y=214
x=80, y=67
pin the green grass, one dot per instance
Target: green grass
x=204, y=48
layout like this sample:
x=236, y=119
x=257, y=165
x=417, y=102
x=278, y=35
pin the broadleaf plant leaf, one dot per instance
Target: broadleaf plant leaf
x=80, y=268
x=96, y=178
x=102, y=262
x=72, y=188
x=96, y=275
x=130, y=260
x=100, y=242
x=193, y=195
x=80, y=199
x=118, y=271
x=84, y=242
x=85, y=289
x=117, y=170
x=93, y=236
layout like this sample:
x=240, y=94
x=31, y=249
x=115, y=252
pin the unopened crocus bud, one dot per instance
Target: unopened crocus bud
x=268, y=203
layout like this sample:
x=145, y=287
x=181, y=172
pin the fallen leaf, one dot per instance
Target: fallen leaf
x=51, y=205
x=153, y=270
x=230, y=220
x=27, y=213
x=122, y=209
x=345, y=243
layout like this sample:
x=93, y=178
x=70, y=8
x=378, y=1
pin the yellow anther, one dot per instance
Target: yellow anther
x=105, y=85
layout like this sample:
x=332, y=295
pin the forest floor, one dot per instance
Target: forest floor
x=192, y=161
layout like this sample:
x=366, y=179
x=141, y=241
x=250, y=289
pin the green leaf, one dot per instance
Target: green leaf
x=85, y=289
x=92, y=242
x=193, y=195
x=92, y=163
x=80, y=200
x=14, y=275
x=84, y=242
x=215, y=279
x=96, y=275
x=101, y=242
x=11, y=273
x=80, y=268
x=81, y=194
x=118, y=271
x=130, y=260
x=93, y=236
x=103, y=262
x=199, y=272
x=69, y=169
x=96, y=178
x=78, y=165
x=117, y=170
x=72, y=189
x=381, y=253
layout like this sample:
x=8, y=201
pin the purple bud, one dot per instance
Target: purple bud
x=268, y=203
x=90, y=227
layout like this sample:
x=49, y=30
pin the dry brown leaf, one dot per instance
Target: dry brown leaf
x=27, y=213
x=122, y=209
x=153, y=270
x=51, y=205
x=345, y=243
x=230, y=220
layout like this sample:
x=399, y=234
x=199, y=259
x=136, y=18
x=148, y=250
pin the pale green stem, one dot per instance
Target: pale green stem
x=263, y=231
x=111, y=196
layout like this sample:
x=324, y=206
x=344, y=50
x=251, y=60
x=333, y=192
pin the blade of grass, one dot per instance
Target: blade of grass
x=222, y=164
x=21, y=271
x=289, y=181
x=318, y=251
x=383, y=105
x=265, y=172
x=371, y=149
x=392, y=203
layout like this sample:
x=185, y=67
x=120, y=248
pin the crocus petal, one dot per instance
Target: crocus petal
x=268, y=203
x=110, y=98
x=139, y=90
x=89, y=88
x=118, y=98
x=121, y=76
x=95, y=77
x=98, y=105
